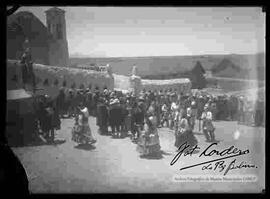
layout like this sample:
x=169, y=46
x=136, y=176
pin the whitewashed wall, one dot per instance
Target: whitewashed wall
x=73, y=75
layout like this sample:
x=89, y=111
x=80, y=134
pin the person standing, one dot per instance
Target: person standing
x=241, y=107
x=208, y=128
x=200, y=105
x=138, y=121
x=184, y=133
x=165, y=115
x=70, y=103
x=148, y=143
x=114, y=117
x=102, y=117
x=88, y=100
x=173, y=114
x=83, y=122
x=192, y=114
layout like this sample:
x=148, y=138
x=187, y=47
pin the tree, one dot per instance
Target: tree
x=197, y=76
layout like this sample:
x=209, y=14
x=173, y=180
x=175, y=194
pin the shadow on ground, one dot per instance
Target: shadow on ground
x=155, y=156
x=87, y=147
x=37, y=142
x=198, y=133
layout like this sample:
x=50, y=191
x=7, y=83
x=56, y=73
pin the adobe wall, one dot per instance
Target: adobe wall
x=73, y=75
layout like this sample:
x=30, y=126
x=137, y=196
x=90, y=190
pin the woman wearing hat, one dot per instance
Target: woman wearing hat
x=208, y=128
x=137, y=120
x=148, y=142
x=184, y=133
x=85, y=135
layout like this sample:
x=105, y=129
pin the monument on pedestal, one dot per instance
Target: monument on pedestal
x=109, y=69
x=135, y=82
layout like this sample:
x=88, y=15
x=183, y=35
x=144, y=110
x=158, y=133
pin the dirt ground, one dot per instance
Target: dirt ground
x=114, y=166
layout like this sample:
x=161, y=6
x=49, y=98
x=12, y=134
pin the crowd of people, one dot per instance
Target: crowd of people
x=93, y=67
x=119, y=115
x=140, y=116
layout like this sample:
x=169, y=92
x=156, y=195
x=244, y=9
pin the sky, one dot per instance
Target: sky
x=161, y=31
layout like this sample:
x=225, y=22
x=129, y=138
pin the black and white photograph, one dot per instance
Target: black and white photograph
x=111, y=99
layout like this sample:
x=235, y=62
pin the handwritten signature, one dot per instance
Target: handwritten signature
x=216, y=164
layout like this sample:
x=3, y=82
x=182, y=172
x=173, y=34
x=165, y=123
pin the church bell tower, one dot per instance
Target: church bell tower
x=58, y=46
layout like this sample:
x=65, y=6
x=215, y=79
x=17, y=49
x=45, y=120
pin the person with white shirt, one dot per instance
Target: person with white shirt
x=208, y=128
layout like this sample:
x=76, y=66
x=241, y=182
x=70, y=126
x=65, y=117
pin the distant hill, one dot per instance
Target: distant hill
x=160, y=67
x=226, y=68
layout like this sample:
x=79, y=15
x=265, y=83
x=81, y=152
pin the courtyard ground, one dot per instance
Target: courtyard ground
x=114, y=166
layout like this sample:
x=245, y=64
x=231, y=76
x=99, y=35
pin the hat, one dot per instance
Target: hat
x=112, y=102
x=152, y=120
x=111, y=95
x=141, y=98
x=85, y=111
x=117, y=101
x=151, y=111
x=140, y=104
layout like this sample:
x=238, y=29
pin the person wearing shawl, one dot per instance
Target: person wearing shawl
x=148, y=143
x=192, y=114
x=165, y=115
x=137, y=120
x=208, y=128
x=128, y=116
x=102, y=117
x=174, y=108
x=81, y=122
x=115, y=115
x=184, y=133
x=47, y=118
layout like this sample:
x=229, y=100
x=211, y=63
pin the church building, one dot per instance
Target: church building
x=48, y=43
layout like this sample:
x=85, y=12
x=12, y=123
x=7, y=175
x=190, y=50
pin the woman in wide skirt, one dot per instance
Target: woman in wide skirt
x=81, y=132
x=184, y=134
x=148, y=142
